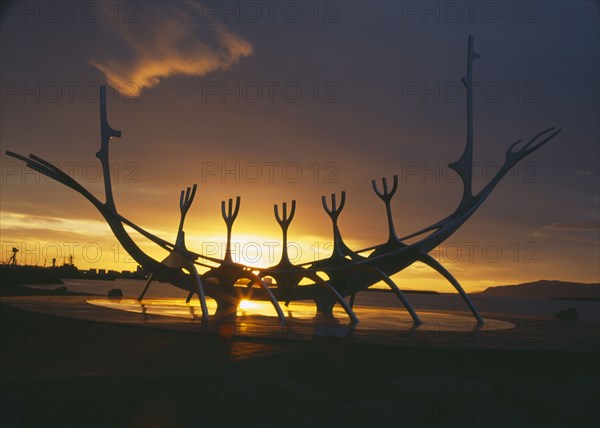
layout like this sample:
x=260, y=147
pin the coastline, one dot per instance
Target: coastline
x=63, y=371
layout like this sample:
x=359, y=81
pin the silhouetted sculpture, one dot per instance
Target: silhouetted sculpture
x=347, y=272
x=13, y=258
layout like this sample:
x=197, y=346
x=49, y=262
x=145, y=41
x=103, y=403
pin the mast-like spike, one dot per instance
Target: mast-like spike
x=464, y=165
x=185, y=202
x=386, y=196
x=229, y=218
x=284, y=223
x=106, y=133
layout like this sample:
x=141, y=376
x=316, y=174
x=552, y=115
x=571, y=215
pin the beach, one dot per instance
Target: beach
x=69, y=371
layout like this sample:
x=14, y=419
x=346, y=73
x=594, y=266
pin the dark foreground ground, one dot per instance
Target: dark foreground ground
x=59, y=372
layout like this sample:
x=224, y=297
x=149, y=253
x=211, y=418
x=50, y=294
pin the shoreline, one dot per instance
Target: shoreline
x=67, y=372
x=62, y=369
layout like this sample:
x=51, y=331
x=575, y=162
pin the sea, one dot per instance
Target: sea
x=518, y=306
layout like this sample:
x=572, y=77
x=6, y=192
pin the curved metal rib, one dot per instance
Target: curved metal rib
x=318, y=280
x=145, y=288
x=396, y=289
x=253, y=277
x=201, y=295
x=433, y=263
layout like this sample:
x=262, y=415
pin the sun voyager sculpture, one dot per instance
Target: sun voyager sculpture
x=331, y=279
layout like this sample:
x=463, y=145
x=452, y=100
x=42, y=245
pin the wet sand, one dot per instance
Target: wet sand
x=72, y=371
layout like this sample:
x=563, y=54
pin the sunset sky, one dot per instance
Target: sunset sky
x=298, y=100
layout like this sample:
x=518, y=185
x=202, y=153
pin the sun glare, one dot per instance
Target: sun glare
x=246, y=304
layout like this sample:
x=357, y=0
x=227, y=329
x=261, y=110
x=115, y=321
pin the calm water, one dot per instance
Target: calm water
x=545, y=308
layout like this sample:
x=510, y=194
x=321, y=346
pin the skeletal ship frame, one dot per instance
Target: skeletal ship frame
x=331, y=279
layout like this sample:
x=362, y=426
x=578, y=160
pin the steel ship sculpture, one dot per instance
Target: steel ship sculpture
x=331, y=279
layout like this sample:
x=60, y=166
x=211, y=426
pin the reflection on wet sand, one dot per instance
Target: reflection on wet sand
x=304, y=313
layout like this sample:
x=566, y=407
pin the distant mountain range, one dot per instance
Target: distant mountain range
x=549, y=289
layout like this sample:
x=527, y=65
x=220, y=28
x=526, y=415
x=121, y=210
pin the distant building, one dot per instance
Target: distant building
x=140, y=273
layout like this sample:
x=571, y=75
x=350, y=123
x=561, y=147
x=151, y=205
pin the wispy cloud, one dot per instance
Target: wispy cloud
x=19, y=221
x=172, y=39
x=579, y=225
